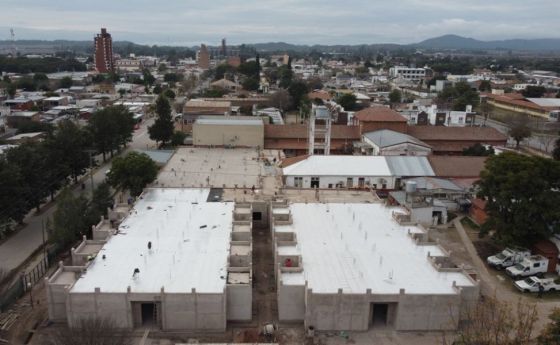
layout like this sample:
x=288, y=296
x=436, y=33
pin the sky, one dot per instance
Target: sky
x=187, y=22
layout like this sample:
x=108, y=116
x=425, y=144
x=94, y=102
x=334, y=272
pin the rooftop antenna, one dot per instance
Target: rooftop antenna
x=13, y=37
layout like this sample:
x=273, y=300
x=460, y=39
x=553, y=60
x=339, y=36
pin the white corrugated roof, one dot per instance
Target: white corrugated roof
x=546, y=102
x=340, y=166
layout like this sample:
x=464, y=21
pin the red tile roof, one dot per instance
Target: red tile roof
x=455, y=134
x=379, y=114
x=457, y=166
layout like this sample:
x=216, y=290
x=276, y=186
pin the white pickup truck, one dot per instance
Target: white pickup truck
x=508, y=257
x=530, y=266
x=531, y=284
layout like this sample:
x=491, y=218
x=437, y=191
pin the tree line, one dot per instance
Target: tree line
x=33, y=171
x=22, y=64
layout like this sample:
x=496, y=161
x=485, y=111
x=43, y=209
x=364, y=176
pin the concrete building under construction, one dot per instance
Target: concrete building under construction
x=350, y=266
x=178, y=260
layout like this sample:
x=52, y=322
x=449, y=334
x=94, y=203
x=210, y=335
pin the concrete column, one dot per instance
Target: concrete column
x=162, y=310
x=193, y=292
x=128, y=307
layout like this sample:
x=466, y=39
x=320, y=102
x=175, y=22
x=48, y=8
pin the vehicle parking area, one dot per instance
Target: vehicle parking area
x=221, y=168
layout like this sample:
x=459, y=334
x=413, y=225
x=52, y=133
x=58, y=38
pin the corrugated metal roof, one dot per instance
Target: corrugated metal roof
x=409, y=166
x=431, y=183
x=385, y=138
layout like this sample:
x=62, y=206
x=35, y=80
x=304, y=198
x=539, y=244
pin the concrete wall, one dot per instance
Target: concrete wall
x=262, y=207
x=291, y=302
x=239, y=302
x=225, y=135
x=406, y=312
x=188, y=311
x=56, y=299
x=324, y=181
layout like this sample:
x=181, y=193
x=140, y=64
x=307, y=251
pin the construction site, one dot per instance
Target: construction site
x=218, y=251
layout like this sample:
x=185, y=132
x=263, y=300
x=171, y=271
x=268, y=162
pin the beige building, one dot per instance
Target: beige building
x=238, y=131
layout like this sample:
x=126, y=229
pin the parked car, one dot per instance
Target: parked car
x=531, y=284
x=508, y=257
x=530, y=266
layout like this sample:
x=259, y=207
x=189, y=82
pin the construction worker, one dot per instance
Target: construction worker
x=541, y=290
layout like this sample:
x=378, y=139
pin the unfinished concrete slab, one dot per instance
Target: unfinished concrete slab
x=215, y=167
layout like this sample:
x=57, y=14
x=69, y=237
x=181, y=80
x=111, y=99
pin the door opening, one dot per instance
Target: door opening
x=379, y=315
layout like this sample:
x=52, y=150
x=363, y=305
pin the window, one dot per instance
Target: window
x=537, y=264
x=349, y=182
x=298, y=182
x=460, y=119
x=361, y=182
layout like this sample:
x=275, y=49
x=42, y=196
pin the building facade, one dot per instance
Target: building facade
x=104, y=62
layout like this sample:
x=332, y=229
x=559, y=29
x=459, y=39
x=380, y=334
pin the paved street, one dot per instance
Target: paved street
x=19, y=247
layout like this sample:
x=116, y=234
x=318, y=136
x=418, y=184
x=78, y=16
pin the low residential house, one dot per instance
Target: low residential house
x=452, y=140
x=386, y=142
x=226, y=85
x=26, y=138
x=293, y=139
x=195, y=108
x=376, y=118
x=55, y=101
x=17, y=118
x=19, y=104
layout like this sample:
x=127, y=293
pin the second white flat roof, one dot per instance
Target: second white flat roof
x=190, y=246
x=359, y=246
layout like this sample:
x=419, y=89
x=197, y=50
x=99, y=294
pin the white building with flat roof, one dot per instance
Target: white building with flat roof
x=172, y=263
x=408, y=73
x=349, y=266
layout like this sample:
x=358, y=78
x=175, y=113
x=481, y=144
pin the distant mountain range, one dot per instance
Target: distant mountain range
x=459, y=42
x=446, y=42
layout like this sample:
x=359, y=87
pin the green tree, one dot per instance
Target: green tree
x=122, y=92
x=110, y=128
x=478, y=150
x=551, y=334
x=162, y=68
x=65, y=83
x=532, y=91
x=169, y=94
x=178, y=138
x=519, y=129
x=395, y=96
x=157, y=89
x=285, y=76
x=41, y=175
x=69, y=219
x=458, y=96
x=162, y=129
x=70, y=142
x=250, y=84
x=485, y=86
x=149, y=79
x=298, y=91
x=523, y=204
x=12, y=193
x=347, y=101
x=132, y=172
x=101, y=200
x=41, y=81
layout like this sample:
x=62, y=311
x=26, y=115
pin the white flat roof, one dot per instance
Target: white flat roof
x=190, y=246
x=229, y=121
x=317, y=165
x=359, y=246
